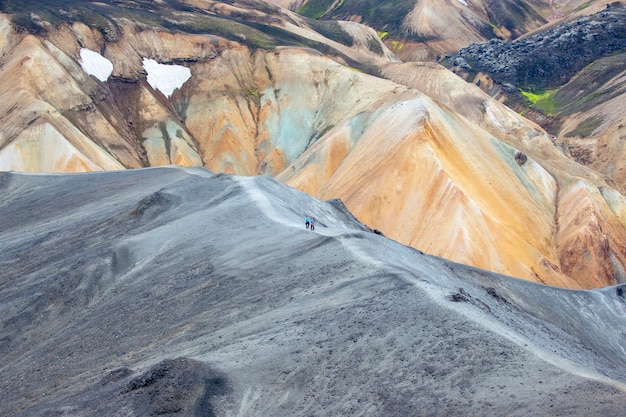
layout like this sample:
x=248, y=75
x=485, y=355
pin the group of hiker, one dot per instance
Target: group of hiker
x=309, y=222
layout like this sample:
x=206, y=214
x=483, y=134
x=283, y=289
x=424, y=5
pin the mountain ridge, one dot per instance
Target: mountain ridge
x=187, y=292
x=282, y=108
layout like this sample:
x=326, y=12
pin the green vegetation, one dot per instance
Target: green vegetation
x=382, y=35
x=338, y=5
x=24, y=23
x=315, y=9
x=34, y=16
x=227, y=28
x=593, y=85
x=396, y=46
x=27, y=15
x=544, y=101
x=586, y=127
x=253, y=94
x=584, y=6
x=386, y=15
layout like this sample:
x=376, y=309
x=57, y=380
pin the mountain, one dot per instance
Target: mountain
x=567, y=77
x=126, y=121
x=419, y=30
x=249, y=88
x=174, y=291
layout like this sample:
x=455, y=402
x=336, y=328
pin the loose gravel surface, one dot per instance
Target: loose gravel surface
x=176, y=292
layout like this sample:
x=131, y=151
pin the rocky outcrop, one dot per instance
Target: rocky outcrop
x=550, y=58
x=569, y=78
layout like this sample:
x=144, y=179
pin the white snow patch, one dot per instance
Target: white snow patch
x=493, y=117
x=95, y=64
x=463, y=2
x=166, y=78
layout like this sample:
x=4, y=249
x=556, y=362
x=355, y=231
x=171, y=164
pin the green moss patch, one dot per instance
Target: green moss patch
x=386, y=16
x=586, y=127
x=593, y=85
x=315, y=9
x=584, y=6
x=544, y=101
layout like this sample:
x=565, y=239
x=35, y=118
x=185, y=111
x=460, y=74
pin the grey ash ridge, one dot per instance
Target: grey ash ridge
x=176, y=292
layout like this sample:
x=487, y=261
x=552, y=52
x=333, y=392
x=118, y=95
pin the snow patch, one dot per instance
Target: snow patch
x=95, y=64
x=489, y=110
x=165, y=78
x=463, y=2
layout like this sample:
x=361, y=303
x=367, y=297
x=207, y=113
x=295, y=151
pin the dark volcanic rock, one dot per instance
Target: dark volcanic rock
x=549, y=59
x=179, y=386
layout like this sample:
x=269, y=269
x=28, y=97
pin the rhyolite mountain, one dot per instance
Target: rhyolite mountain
x=412, y=150
x=418, y=30
x=172, y=291
x=570, y=78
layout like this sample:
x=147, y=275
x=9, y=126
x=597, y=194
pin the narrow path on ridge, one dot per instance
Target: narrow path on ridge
x=338, y=231
x=439, y=293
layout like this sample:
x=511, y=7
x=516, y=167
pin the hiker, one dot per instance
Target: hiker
x=307, y=222
x=312, y=224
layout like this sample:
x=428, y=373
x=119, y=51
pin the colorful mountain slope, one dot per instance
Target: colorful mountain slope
x=424, y=157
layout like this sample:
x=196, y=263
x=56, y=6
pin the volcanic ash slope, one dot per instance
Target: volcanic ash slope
x=170, y=291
